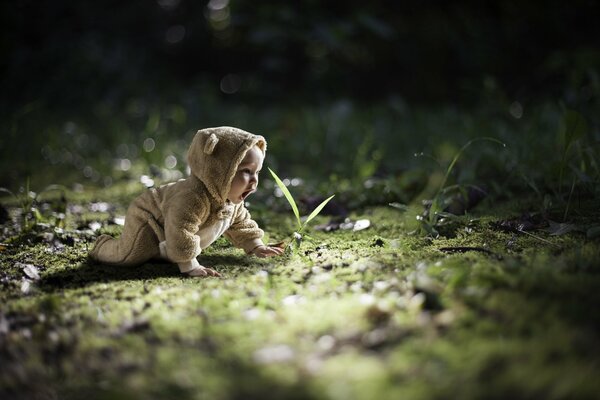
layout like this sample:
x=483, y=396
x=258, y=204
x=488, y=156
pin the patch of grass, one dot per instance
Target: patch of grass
x=377, y=312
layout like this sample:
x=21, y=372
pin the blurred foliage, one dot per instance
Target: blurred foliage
x=65, y=53
x=97, y=91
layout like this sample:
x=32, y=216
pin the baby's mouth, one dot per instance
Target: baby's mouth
x=247, y=193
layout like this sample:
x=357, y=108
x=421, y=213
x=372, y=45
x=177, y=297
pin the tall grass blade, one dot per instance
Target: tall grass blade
x=7, y=191
x=457, y=156
x=288, y=196
x=4, y=190
x=317, y=210
x=569, y=201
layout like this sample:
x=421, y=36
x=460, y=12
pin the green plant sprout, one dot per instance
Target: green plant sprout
x=436, y=215
x=573, y=129
x=436, y=211
x=30, y=214
x=297, y=235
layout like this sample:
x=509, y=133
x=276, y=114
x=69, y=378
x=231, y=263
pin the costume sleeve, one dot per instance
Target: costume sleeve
x=244, y=231
x=183, y=216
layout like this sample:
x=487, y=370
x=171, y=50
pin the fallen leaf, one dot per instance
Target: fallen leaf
x=556, y=228
x=462, y=202
x=526, y=222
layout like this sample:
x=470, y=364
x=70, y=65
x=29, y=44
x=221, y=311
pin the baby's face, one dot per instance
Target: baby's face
x=246, y=177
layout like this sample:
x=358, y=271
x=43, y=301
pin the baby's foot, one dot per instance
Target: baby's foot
x=203, y=272
x=93, y=254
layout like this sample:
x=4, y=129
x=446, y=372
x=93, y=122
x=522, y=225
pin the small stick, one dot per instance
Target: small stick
x=539, y=238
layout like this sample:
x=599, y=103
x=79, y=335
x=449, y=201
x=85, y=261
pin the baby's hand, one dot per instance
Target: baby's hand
x=268, y=251
x=203, y=272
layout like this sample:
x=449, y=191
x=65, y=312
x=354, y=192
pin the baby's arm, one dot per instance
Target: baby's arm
x=245, y=233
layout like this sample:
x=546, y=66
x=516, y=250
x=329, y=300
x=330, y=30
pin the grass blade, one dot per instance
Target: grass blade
x=317, y=210
x=457, y=156
x=4, y=190
x=287, y=195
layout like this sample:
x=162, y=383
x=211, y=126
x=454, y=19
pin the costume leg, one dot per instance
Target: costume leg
x=137, y=244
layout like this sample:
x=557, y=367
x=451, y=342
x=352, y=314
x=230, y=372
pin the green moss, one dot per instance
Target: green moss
x=378, y=313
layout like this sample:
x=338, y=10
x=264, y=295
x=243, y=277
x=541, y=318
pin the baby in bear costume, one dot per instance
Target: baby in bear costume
x=176, y=221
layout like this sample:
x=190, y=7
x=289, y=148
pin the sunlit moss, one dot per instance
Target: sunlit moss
x=378, y=312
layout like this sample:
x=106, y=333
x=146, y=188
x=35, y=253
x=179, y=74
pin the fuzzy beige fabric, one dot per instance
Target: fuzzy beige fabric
x=172, y=220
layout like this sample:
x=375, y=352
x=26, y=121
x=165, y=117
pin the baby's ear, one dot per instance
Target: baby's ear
x=210, y=143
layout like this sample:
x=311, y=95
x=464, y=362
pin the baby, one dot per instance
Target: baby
x=176, y=221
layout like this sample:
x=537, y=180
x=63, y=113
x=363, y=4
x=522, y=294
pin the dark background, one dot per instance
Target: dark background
x=86, y=83
x=75, y=53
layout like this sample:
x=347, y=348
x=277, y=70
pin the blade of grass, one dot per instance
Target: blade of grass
x=7, y=191
x=317, y=210
x=4, y=190
x=288, y=196
x=569, y=201
x=458, y=155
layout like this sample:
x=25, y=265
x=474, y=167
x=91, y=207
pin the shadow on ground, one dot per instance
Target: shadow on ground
x=86, y=273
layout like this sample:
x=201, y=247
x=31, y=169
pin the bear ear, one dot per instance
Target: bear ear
x=210, y=143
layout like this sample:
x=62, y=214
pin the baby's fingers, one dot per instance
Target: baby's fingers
x=212, y=272
x=197, y=272
x=272, y=251
x=203, y=272
x=277, y=250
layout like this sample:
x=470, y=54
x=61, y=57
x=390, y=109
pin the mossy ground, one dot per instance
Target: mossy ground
x=374, y=314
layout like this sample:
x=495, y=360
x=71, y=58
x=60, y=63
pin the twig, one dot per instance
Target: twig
x=539, y=238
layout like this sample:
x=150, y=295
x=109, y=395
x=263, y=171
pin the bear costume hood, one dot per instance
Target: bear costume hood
x=215, y=154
